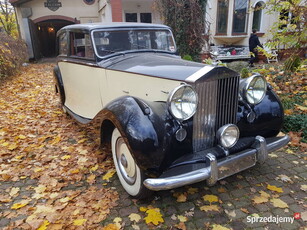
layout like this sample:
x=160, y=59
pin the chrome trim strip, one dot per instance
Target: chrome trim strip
x=195, y=76
x=214, y=170
x=157, y=184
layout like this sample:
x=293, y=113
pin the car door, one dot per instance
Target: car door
x=82, y=77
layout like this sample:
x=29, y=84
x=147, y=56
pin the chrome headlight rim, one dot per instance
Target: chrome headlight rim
x=223, y=131
x=170, y=100
x=247, y=85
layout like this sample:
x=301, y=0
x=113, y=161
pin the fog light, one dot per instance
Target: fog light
x=228, y=135
x=181, y=134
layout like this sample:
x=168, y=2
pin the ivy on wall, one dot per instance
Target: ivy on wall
x=186, y=18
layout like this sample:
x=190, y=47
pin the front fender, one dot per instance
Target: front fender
x=269, y=116
x=147, y=129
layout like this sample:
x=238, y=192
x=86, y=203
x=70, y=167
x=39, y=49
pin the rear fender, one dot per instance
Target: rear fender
x=59, y=83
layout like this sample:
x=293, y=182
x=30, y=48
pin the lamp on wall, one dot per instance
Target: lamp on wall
x=50, y=29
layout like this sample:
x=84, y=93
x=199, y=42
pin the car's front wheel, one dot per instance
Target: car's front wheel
x=129, y=173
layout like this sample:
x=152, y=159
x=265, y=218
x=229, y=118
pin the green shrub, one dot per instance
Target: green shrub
x=244, y=73
x=292, y=64
x=187, y=57
x=296, y=123
x=13, y=52
x=237, y=65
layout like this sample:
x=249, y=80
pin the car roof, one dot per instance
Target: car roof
x=112, y=25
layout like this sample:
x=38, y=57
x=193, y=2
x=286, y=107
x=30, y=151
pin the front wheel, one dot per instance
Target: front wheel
x=129, y=174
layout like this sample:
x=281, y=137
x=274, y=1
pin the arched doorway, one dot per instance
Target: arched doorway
x=46, y=29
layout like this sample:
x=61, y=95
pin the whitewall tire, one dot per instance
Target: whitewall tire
x=130, y=175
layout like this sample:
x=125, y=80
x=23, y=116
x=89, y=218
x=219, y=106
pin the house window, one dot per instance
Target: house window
x=258, y=15
x=146, y=17
x=240, y=16
x=131, y=17
x=138, y=17
x=222, y=16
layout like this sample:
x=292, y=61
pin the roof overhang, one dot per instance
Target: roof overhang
x=18, y=2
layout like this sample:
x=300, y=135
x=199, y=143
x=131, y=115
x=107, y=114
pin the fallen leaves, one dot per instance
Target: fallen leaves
x=274, y=188
x=153, y=216
x=42, y=146
x=278, y=203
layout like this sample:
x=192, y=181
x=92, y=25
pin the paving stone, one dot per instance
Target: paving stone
x=170, y=210
x=290, y=226
x=296, y=208
x=239, y=193
x=128, y=210
x=262, y=207
x=4, y=222
x=238, y=225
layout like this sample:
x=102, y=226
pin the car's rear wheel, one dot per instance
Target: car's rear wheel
x=129, y=173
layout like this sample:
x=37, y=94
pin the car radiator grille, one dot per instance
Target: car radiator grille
x=217, y=106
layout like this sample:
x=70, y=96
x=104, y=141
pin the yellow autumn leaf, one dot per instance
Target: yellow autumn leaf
x=219, y=227
x=192, y=190
x=221, y=190
x=66, y=157
x=143, y=209
x=79, y=222
x=274, y=188
x=109, y=174
x=74, y=171
x=304, y=187
x=278, y=203
x=44, y=225
x=134, y=217
x=13, y=146
x=182, y=218
x=208, y=208
x=19, y=157
x=111, y=227
x=56, y=140
x=65, y=199
x=91, y=179
x=303, y=108
x=153, y=216
x=211, y=198
x=22, y=137
x=20, y=204
x=82, y=141
x=263, y=198
x=94, y=168
x=14, y=191
x=181, y=198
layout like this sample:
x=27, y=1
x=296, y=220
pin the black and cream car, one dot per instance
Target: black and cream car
x=168, y=122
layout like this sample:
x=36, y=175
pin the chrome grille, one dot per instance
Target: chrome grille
x=218, y=104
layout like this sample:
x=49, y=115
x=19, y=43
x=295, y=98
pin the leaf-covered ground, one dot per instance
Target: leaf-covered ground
x=49, y=159
x=50, y=177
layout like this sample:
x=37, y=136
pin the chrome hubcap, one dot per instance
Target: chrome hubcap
x=125, y=162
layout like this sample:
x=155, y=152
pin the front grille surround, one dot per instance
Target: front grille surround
x=217, y=106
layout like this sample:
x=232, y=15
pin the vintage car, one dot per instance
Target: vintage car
x=168, y=122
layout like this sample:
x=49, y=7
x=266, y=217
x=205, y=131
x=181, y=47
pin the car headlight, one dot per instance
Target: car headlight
x=182, y=102
x=254, y=89
x=228, y=135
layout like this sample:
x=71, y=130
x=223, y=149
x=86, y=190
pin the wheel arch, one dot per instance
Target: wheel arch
x=59, y=85
x=145, y=133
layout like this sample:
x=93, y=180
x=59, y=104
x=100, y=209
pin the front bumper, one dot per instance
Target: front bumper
x=219, y=169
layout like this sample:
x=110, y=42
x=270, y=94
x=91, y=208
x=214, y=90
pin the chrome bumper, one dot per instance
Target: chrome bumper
x=218, y=170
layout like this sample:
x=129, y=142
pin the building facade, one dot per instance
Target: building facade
x=230, y=22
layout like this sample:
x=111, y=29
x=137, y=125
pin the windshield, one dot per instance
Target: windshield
x=109, y=42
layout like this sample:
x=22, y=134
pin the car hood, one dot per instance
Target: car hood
x=153, y=64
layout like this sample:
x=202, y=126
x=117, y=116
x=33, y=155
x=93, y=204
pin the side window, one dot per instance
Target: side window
x=81, y=45
x=63, y=44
